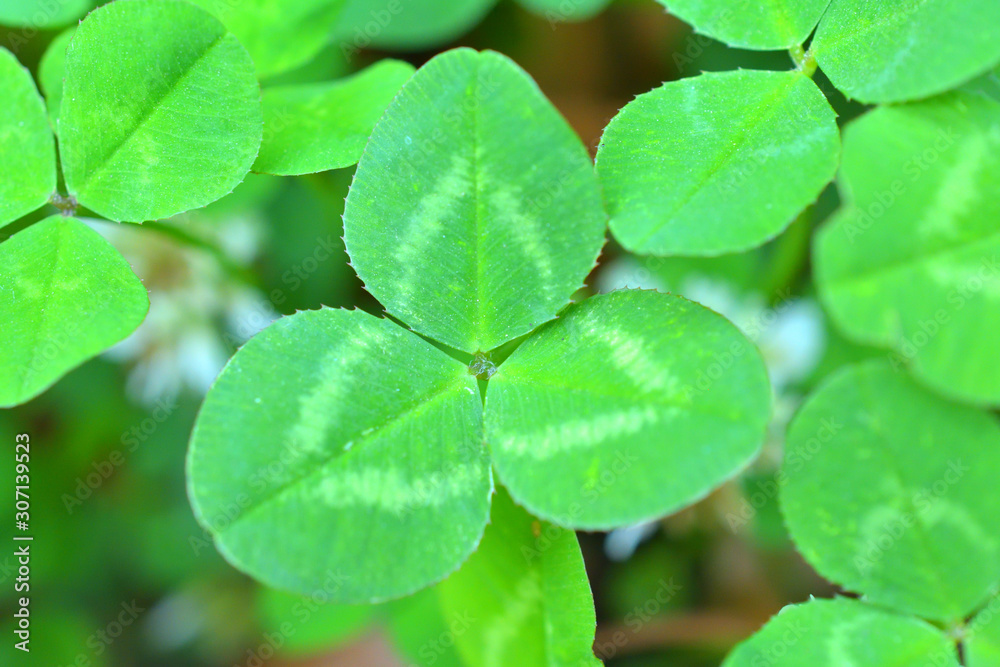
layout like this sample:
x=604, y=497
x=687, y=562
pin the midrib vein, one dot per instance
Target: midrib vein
x=148, y=113
x=767, y=109
x=478, y=195
x=362, y=437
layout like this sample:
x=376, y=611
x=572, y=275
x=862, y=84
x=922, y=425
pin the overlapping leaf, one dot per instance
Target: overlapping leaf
x=279, y=34
x=527, y=589
x=67, y=295
x=750, y=24
x=28, y=165
x=42, y=14
x=406, y=24
x=880, y=51
x=913, y=261
x=556, y=11
x=316, y=127
x=840, y=632
x=716, y=163
x=475, y=212
x=52, y=70
x=161, y=110
x=629, y=406
x=342, y=441
x=362, y=438
x=884, y=493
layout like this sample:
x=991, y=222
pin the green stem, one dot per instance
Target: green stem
x=804, y=60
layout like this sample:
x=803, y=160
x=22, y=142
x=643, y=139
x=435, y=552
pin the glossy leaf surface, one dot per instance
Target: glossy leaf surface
x=333, y=434
x=161, y=110
x=475, y=212
x=631, y=405
x=67, y=296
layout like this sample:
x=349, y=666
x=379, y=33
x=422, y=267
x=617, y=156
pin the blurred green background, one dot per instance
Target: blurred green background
x=123, y=575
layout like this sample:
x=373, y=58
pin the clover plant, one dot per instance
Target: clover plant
x=458, y=438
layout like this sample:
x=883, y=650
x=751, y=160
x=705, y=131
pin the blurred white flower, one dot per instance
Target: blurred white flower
x=199, y=312
x=621, y=543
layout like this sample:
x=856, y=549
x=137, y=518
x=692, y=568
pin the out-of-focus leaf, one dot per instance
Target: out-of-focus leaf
x=631, y=405
x=749, y=24
x=321, y=126
x=556, y=11
x=406, y=24
x=912, y=262
x=883, y=492
x=881, y=51
x=279, y=34
x=52, y=71
x=42, y=14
